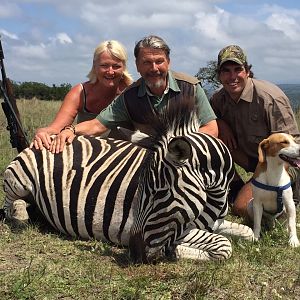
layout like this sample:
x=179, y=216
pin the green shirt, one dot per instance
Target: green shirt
x=116, y=113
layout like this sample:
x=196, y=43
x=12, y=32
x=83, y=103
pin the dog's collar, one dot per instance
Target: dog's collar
x=278, y=189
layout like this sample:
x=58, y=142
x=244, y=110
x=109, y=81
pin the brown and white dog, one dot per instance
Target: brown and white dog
x=271, y=183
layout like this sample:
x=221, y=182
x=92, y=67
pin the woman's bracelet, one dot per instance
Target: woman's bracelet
x=69, y=127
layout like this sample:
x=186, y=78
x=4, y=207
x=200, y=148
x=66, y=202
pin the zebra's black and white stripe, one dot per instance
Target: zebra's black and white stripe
x=163, y=192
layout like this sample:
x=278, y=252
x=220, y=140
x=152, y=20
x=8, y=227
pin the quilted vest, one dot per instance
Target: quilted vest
x=140, y=109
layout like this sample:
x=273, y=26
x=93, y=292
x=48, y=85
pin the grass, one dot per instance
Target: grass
x=38, y=263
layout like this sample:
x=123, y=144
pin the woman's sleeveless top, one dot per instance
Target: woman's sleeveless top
x=84, y=114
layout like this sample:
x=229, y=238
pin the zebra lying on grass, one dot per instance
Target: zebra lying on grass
x=158, y=194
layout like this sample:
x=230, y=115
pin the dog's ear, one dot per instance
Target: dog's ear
x=263, y=145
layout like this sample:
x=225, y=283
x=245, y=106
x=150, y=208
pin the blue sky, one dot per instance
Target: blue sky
x=52, y=41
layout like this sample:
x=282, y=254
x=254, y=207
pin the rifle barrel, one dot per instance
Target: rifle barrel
x=1, y=50
x=17, y=134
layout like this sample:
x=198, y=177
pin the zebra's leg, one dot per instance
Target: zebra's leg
x=228, y=228
x=202, y=245
x=15, y=207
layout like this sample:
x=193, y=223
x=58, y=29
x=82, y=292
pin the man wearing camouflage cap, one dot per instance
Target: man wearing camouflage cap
x=248, y=111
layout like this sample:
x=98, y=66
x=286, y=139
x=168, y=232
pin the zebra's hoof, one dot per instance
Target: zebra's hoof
x=18, y=225
x=17, y=214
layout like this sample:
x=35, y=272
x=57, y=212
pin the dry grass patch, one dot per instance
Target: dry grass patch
x=38, y=263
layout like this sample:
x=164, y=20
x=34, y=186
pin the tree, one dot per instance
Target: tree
x=28, y=90
x=208, y=76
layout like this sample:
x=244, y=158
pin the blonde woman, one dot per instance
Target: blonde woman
x=107, y=79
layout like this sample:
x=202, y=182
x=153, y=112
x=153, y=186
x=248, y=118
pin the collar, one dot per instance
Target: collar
x=247, y=94
x=278, y=189
x=171, y=84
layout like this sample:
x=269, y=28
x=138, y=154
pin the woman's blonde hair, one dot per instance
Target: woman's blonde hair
x=116, y=49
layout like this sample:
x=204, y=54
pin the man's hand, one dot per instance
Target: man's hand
x=210, y=128
x=226, y=135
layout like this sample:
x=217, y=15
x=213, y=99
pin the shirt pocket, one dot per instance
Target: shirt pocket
x=257, y=125
x=258, y=131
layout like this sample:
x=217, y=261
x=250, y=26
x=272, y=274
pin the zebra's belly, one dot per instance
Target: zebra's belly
x=88, y=190
x=98, y=205
x=104, y=218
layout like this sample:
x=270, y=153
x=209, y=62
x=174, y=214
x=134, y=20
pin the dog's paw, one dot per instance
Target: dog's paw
x=294, y=242
x=255, y=238
x=256, y=233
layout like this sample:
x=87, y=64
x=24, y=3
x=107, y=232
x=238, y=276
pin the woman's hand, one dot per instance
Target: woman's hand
x=67, y=135
x=41, y=139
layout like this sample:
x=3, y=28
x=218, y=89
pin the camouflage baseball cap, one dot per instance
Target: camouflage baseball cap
x=232, y=53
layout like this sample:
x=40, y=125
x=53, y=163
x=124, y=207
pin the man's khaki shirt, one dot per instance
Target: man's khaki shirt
x=262, y=109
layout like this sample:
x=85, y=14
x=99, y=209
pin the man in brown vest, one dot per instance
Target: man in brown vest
x=157, y=86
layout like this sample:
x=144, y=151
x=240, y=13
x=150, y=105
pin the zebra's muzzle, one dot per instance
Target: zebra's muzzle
x=137, y=249
x=141, y=253
x=2, y=214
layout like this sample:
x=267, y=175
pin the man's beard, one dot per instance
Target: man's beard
x=157, y=84
x=160, y=82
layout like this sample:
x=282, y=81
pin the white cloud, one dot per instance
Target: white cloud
x=270, y=9
x=33, y=52
x=157, y=20
x=10, y=35
x=8, y=9
x=213, y=25
x=58, y=41
x=63, y=38
x=286, y=24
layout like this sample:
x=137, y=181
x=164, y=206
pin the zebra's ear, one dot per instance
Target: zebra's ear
x=125, y=133
x=136, y=137
x=179, y=149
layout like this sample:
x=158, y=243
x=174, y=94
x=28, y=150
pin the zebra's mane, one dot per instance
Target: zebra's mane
x=179, y=117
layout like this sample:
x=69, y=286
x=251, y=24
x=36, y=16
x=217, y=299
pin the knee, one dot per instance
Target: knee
x=242, y=200
x=239, y=208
